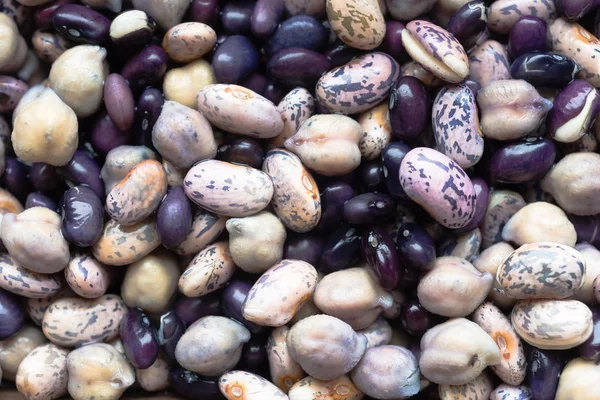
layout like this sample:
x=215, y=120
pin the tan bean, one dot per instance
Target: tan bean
x=579, y=380
x=488, y=261
x=42, y=374
x=87, y=276
x=156, y=377
x=236, y=385
x=285, y=372
x=9, y=203
x=210, y=270
x=14, y=350
x=120, y=160
x=189, y=41
x=340, y=388
x=591, y=256
x=206, y=227
x=182, y=84
x=19, y=280
x=377, y=131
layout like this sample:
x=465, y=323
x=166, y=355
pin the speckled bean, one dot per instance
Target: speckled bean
x=189, y=41
x=464, y=246
x=42, y=374
x=11, y=92
x=358, y=85
x=236, y=385
x=513, y=365
x=156, y=377
x=132, y=28
x=340, y=388
x=502, y=205
x=359, y=24
x=37, y=307
x=87, y=277
x=15, y=349
x=82, y=216
x=73, y=321
x=18, y=280
x=202, y=351
x=228, y=189
x=122, y=245
x=477, y=389
x=503, y=14
x=210, y=270
x=285, y=372
x=591, y=255
x=206, y=227
x=439, y=185
x=509, y=392
x=377, y=131
x=488, y=62
x=120, y=160
x=295, y=108
x=552, y=324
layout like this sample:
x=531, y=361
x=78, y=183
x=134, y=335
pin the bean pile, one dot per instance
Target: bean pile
x=300, y=199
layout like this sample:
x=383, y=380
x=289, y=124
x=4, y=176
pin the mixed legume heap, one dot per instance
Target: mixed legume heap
x=300, y=199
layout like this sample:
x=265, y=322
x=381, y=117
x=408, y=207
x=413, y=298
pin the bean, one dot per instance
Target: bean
x=545, y=69
x=308, y=67
x=156, y=377
x=392, y=41
x=40, y=200
x=189, y=41
x=148, y=109
x=119, y=161
x=469, y=23
x=478, y=388
x=234, y=384
x=81, y=24
x=367, y=208
x=82, y=216
x=106, y=136
x=166, y=14
x=265, y=17
x=577, y=380
x=295, y=108
x=409, y=108
x=170, y=330
x=502, y=205
x=543, y=369
x=191, y=385
x=341, y=249
x=87, y=277
x=504, y=14
x=119, y=102
x=232, y=304
x=210, y=270
x=206, y=227
x=44, y=177
x=590, y=254
x=409, y=9
x=589, y=349
x=138, y=338
x=382, y=259
x=310, y=387
x=11, y=315
x=349, y=22
x=302, y=31
x=132, y=28
x=146, y=67
x=236, y=15
x=174, y=217
x=527, y=35
x=508, y=392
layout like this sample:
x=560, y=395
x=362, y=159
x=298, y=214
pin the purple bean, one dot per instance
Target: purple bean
x=529, y=34
x=523, y=161
x=254, y=354
x=545, y=69
x=11, y=92
x=299, y=31
x=590, y=349
x=191, y=309
x=147, y=111
x=169, y=332
x=236, y=16
x=44, y=177
x=43, y=14
x=205, y=11
x=138, y=339
x=379, y=250
x=255, y=82
x=469, y=23
x=416, y=320
x=83, y=216
x=392, y=156
x=369, y=208
x=105, y=135
x=416, y=245
x=83, y=170
x=40, y=200
x=81, y=24
x=371, y=176
x=146, y=67
x=11, y=314
x=410, y=108
x=340, y=54
x=235, y=59
x=333, y=197
x=272, y=92
x=304, y=247
x=232, y=303
x=341, y=249
x=193, y=386
x=293, y=67
x=587, y=228
x=573, y=10
x=14, y=178
x=265, y=17
x=244, y=151
x=392, y=42
x=174, y=217
x=119, y=102
x=543, y=370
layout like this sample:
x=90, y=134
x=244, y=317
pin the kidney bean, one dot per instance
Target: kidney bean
x=368, y=208
x=544, y=69
x=379, y=250
x=87, y=277
x=192, y=386
x=83, y=216
x=590, y=349
x=526, y=160
x=11, y=92
x=236, y=16
x=40, y=200
x=304, y=247
x=302, y=31
x=191, y=309
x=392, y=41
x=409, y=108
x=543, y=369
x=174, y=217
x=146, y=67
x=139, y=339
x=416, y=245
x=265, y=17
x=529, y=34
x=106, y=136
x=341, y=249
x=235, y=59
x=574, y=10
x=81, y=24
x=44, y=177
x=469, y=23
x=293, y=67
x=232, y=302
x=170, y=330
x=392, y=156
x=132, y=29
x=83, y=170
x=119, y=102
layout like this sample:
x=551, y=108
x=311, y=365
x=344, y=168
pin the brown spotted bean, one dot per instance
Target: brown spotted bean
x=16, y=279
x=340, y=388
x=503, y=14
x=203, y=351
x=488, y=261
x=87, y=277
x=478, y=389
x=228, y=189
x=73, y=321
x=295, y=108
x=42, y=374
x=464, y=246
x=36, y=308
x=280, y=292
x=353, y=296
x=377, y=131
x=513, y=364
x=237, y=109
x=439, y=185
x=488, y=62
x=456, y=352
x=285, y=372
x=206, y=227
x=358, y=85
x=189, y=41
x=16, y=348
x=552, y=324
x=120, y=160
x=359, y=24
x=210, y=270
x=502, y=205
x=245, y=385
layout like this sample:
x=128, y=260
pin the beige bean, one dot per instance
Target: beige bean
x=325, y=347
x=256, y=242
x=340, y=388
x=151, y=283
x=33, y=238
x=379, y=333
x=9, y=203
x=123, y=245
x=552, y=324
x=166, y=13
x=280, y=292
x=206, y=227
x=359, y=24
x=120, y=160
x=189, y=41
x=30, y=95
x=202, y=351
x=394, y=311
x=13, y=48
x=328, y=144
x=235, y=385
x=77, y=77
x=210, y=270
x=377, y=131
x=87, y=276
x=353, y=296
x=156, y=377
x=513, y=365
x=579, y=380
x=296, y=198
x=14, y=350
x=285, y=372
x=42, y=374
x=295, y=108
x=174, y=175
x=98, y=371
x=478, y=389
x=307, y=310
x=45, y=130
x=19, y=280
x=182, y=84
x=456, y=352
x=488, y=261
x=454, y=287
x=591, y=256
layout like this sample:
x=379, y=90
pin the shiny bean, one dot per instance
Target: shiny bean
x=409, y=108
x=416, y=245
x=132, y=28
x=147, y=111
x=169, y=331
x=235, y=59
x=526, y=160
x=191, y=385
x=503, y=14
x=544, y=69
x=265, y=17
x=87, y=277
x=119, y=102
x=392, y=156
x=105, y=134
x=590, y=349
x=341, y=249
x=543, y=369
x=11, y=315
x=236, y=16
x=174, y=217
x=82, y=216
x=368, y=208
x=294, y=66
x=232, y=304
x=83, y=170
x=81, y=24
x=379, y=251
x=574, y=10
x=392, y=41
x=529, y=34
x=469, y=23
x=302, y=31
x=146, y=67
x=139, y=339
x=40, y=200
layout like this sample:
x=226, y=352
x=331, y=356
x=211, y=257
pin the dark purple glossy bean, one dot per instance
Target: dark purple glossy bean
x=11, y=314
x=147, y=111
x=529, y=34
x=83, y=216
x=174, y=217
x=333, y=197
x=340, y=54
x=543, y=370
x=193, y=386
x=590, y=349
x=44, y=177
x=119, y=101
x=244, y=151
x=146, y=67
x=304, y=247
x=255, y=82
x=272, y=92
x=587, y=228
x=468, y=23
x=81, y=24
x=232, y=303
x=43, y=14
x=410, y=108
x=138, y=338
x=106, y=136
x=573, y=10
x=293, y=67
x=370, y=176
x=254, y=354
x=170, y=330
x=341, y=249
x=369, y=208
x=379, y=250
x=14, y=179
x=523, y=161
x=205, y=11
x=482, y=194
x=191, y=309
x=392, y=156
x=235, y=59
x=236, y=16
x=299, y=31
x=35, y=199
x=574, y=111
x=83, y=170
x=416, y=320
x=221, y=37
x=265, y=17
x=545, y=69
x=416, y=245
x=392, y=41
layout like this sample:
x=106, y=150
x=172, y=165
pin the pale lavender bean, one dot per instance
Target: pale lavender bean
x=119, y=102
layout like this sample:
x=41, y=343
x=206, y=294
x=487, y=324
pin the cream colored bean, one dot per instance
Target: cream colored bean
x=394, y=311
x=235, y=385
x=42, y=374
x=87, y=276
x=182, y=84
x=280, y=292
x=591, y=256
x=285, y=372
x=579, y=380
x=210, y=270
x=14, y=350
x=189, y=41
x=256, y=242
x=503, y=14
x=488, y=261
x=156, y=377
x=353, y=296
x=340, y=388
x=206, y=227
x=13, y=48
x=454, y=287
x=379, y=333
